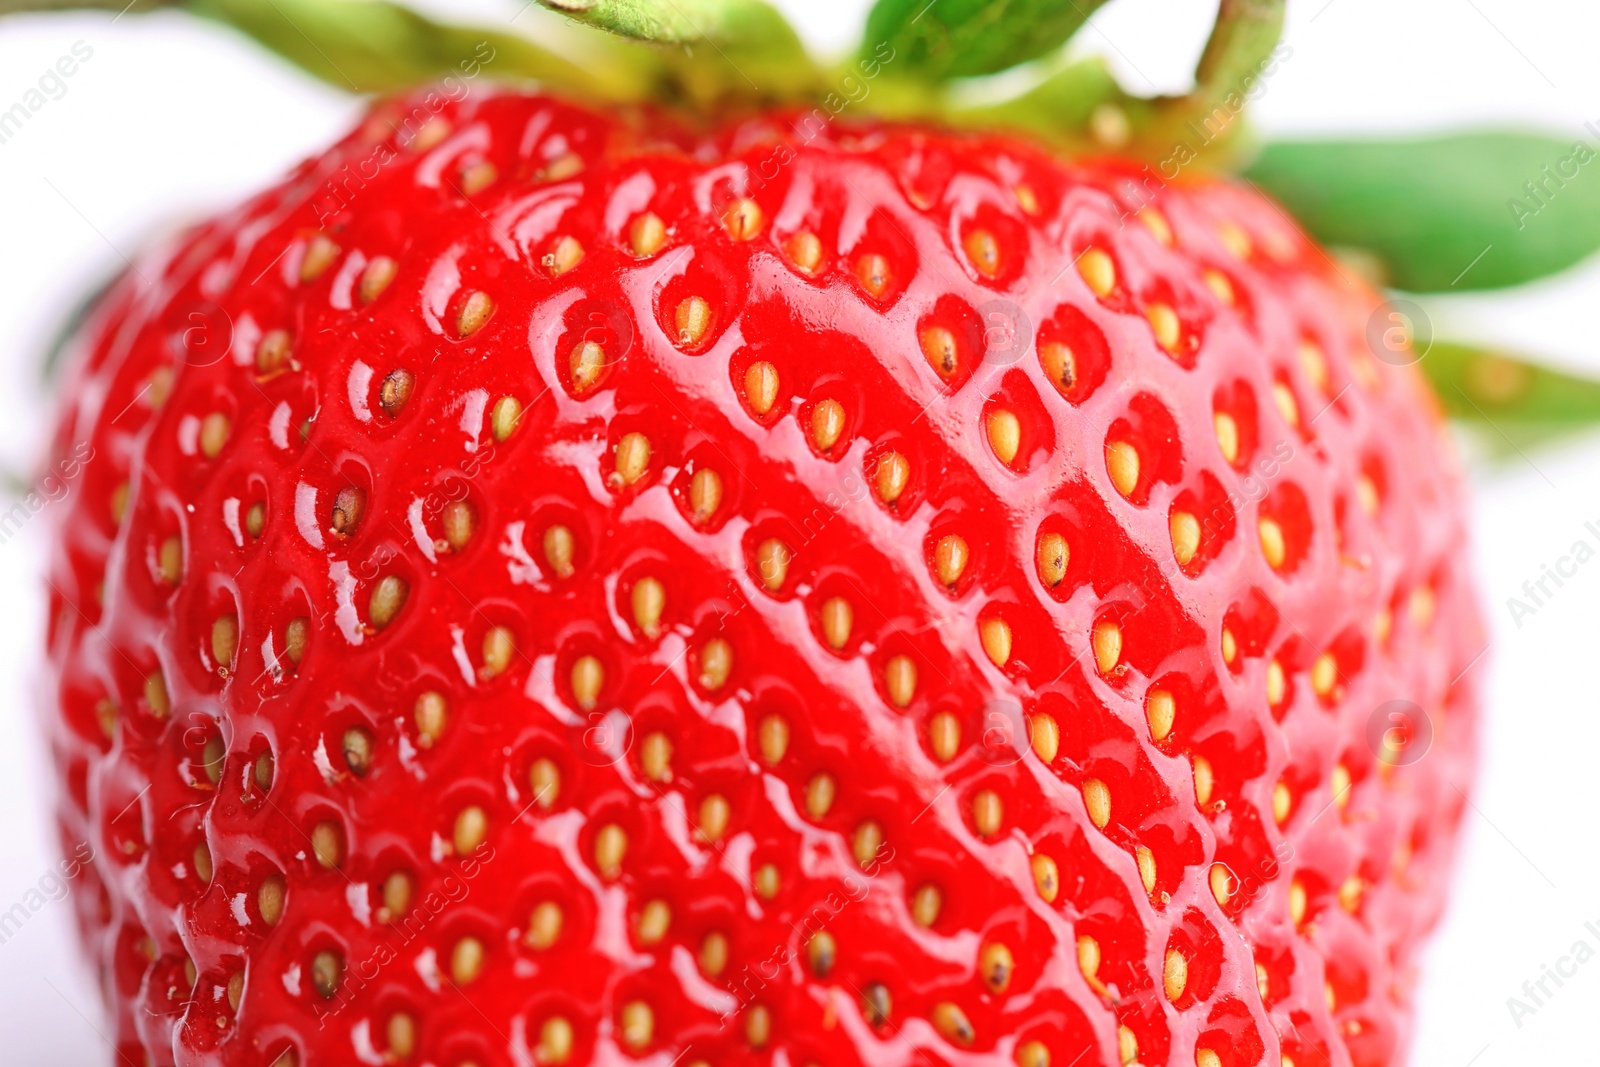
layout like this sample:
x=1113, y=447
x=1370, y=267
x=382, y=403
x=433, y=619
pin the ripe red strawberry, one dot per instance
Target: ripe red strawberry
x=554, y=589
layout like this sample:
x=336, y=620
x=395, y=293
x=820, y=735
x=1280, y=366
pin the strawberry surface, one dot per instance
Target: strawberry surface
x=554, y=587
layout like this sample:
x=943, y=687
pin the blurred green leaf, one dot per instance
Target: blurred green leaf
x=1470, y=211
x=938, y=39
x=1513, y=402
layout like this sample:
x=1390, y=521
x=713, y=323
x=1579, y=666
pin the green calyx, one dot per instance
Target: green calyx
x=1460, y=212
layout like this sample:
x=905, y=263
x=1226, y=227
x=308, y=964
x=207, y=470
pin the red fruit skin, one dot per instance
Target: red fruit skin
x=1385, y=593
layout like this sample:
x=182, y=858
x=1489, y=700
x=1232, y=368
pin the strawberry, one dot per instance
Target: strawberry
x=555, y=586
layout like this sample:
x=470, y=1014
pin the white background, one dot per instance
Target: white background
x=171, y=119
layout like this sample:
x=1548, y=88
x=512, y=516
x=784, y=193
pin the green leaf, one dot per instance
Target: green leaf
x=937, y=39
x=1494, y=388
x=1447, y=213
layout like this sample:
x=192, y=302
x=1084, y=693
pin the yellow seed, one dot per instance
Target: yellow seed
x=761, y=387
x=1147, y=867
x=1339, y=785
x=345, y=516
x=1127, y=1046
x=1263, y=982
x=926, y=903
x=1185, y=530
x=263, y=769
x=555, y=1041
x=1204, y=1057
x=388, y=597
x=119, y=502
x=804, y=250
x=1005, y=434
x=1237, y=242
x=891, y=476
x=155, y=695
x=214, y=430
x=466, y=960
x=757, y=1026
x=1314, y=363
x=1221, y=884
x=1220, y=286
x=996, y=638
x=1282, y=802
x=1052, y=559
x=648, y=598
x=376, y=278
x=1350, y=891
x=827, y=423
x=1045, y=734
x=820, y=791
x=743, y=219
x=821, y=952
x=872, y=271
x=837, y=618
x=1122, y=463
x=866, y=842
x=431, y=713
x=1033, y=1054
x=995, y=966
x=295, y=637
x=397, y=893
x=356, y=746
x=876, y=1005
x=472, y=826
x=900, y=679
x=565, y=253
x=654, y=920
x=459, y=521
x=1089, y=959
x=610, y=845
x=714, y=954
x=638, y=1025
x=498, y=647
x=632, y=458
x=475, y=311
x=1106, y=640
x=1097, y=798
x=950, y=558
x=1277, y=683
x=272, y=353
x=587, y=363
x=1367, y=495
x=544, y=926
x=328, y=844
x=983, y=252
x=1227, y=435
x=693, y=319
x=255, y=519
x=1420, y=606
x=1230, y=646
x=269, y=899
x=773, y=738
x=768, y=881
x=505, y=416
x=402, y=1033
x=1288, y=407
x=1027, y=200
x=988, y=813
x=1098, y=270
x=1060, y=365
x=705, y=495
x=944, y=736
x=224, y=641
x=235, y=989
x=476, y=177
x=1272, y=542
x=655, y=757
x=1324, y=675
x=647, y=234
x=1175, y=974
x=587, y=677
x=544, y=778
x=1046, y=878
x=716, y=662
x=202, y=862
x=558, y=550
x=952, y=1023
x=1297, y=902
x=939, y=348
x=772, y=563
x=1204, y=781
x=1160, y=710
x=1164, y=321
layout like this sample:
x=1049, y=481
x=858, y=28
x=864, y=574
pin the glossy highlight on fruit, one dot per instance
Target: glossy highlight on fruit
x=582, y=593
